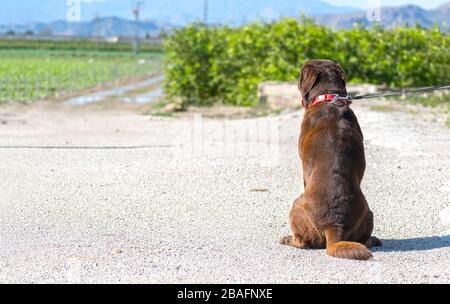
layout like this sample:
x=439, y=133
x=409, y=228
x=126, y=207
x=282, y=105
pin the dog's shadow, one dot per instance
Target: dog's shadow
x=414, y=244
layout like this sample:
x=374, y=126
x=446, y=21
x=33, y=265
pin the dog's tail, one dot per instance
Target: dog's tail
x=345, y=250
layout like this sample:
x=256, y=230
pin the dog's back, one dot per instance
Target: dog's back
x=332, y=212
x=332, y=154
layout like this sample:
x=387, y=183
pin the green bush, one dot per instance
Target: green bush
x=206, y=65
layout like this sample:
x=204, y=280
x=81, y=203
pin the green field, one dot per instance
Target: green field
x=75, y=45
x=37, y=71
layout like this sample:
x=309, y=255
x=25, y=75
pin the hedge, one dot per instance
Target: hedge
x=221, y=64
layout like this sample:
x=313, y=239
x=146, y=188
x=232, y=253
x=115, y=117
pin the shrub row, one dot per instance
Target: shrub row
x=206, y=65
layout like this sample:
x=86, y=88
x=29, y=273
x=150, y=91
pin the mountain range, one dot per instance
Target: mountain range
x=162, y=14
x=177, y=12
x=98, y=27
x=407, y=15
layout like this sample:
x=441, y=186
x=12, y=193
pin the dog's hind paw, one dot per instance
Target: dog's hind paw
x=285, y=240
x=374, y=242
x=293, y=241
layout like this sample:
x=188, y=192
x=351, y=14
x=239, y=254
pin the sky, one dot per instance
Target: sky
x=363, y=3
x=24, y=11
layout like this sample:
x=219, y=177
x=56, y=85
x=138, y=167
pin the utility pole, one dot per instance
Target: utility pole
x=137, y=14
x=97, y=29
x=205, y=13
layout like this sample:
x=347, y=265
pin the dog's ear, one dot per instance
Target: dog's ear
x=308, y=78
x=341, y=73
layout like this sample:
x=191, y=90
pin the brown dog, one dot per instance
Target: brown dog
x=332, y=212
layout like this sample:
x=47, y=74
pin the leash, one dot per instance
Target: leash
x=338, y=100
x=401, y=92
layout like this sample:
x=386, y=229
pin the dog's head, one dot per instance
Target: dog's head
x=319, y=77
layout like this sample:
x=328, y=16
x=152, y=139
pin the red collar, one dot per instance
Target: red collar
x=334, y=98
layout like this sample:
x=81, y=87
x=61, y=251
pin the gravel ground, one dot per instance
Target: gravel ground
x=109, y=197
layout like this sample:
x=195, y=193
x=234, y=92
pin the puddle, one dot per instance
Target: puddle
x=148, y=97
x=102, y=95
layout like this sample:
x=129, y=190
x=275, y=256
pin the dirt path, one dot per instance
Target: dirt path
x=112, y=196
x=151, y=88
